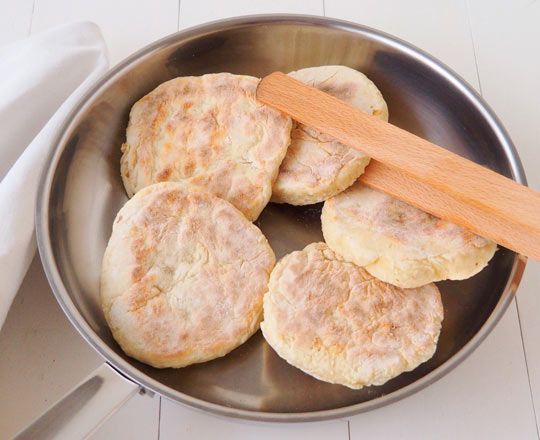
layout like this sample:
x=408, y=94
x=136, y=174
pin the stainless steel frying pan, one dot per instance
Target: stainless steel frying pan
x=81, y=191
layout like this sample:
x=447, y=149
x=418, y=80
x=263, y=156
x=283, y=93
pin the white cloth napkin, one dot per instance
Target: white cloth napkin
x=41, y=79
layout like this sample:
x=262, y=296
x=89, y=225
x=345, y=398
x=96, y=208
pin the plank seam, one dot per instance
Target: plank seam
x=31, y=18
x=471, y=34
x=159, y=420
x=178, y=16
x=527, y=369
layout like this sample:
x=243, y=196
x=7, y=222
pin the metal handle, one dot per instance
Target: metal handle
x=84, y=408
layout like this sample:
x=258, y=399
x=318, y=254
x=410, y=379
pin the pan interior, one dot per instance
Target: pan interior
x=87, y=192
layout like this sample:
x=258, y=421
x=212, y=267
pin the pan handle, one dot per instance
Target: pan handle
x=84, y=408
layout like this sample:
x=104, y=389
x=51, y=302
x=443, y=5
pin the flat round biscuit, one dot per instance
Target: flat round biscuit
x=316, y=166
x=183, y=276
x=209, y=131
x=336, y=322
x=398, y=243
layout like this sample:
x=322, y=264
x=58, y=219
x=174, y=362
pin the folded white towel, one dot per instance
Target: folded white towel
x=41, y=79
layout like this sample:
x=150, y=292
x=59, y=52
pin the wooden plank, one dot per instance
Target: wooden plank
x=192, y=13
x=507, y=40
x=126, y=25
x=43, y=356
x=179, y=422
x=439, y=27
x=138, y=419
x=15, y=20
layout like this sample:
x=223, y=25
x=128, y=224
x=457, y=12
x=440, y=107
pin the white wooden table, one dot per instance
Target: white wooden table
x=493, y=44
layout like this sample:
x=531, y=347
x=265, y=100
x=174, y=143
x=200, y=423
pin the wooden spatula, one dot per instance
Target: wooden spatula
x=416, y=171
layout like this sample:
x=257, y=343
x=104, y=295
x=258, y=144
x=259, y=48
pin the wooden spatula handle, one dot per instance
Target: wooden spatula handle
x=415, y=170
x=403, y=187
